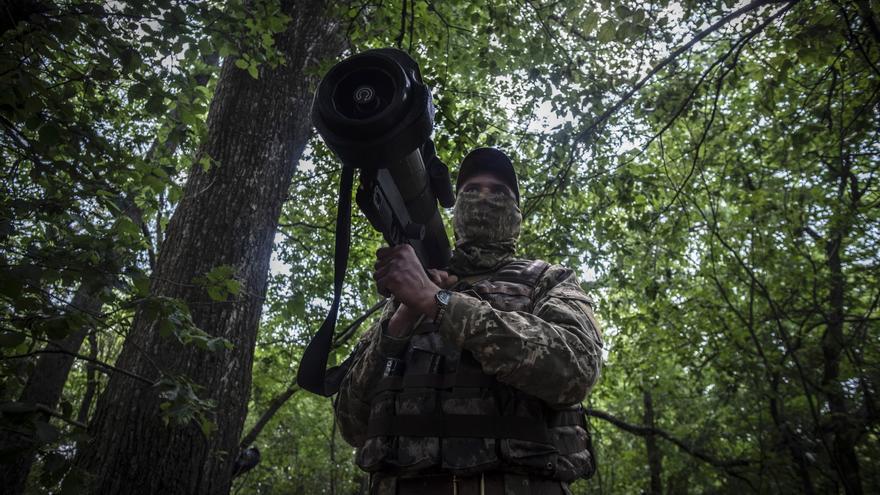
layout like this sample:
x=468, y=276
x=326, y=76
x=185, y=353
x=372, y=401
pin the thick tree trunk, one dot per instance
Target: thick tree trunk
x=44, y=386
x=654, y=454
x=257, y=130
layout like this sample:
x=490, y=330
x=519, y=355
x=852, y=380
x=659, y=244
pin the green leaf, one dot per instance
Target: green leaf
x=242, y=63
x=138, y=91
x=607, y=31
x=141, y=284
x=253, y=71
x=590, y=22
x=218, y=344
x=125, y=225
x=233, y=286
x=130, y=59
x=622, y=11
x=208, y=427
x=219, y=282
x=217, y=294
x=156, y=104
x=205, y=163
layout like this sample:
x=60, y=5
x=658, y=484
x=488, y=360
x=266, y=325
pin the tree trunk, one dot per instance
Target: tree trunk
x=44, y=386
x=844, y=431
x=257, y=130
x=91, y=382
x=654, y=454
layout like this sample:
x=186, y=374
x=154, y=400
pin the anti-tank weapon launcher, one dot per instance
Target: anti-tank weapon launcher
x=376, y=114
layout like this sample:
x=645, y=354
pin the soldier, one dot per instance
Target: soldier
x=472, y=379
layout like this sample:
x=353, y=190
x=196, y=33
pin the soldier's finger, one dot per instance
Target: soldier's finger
x=435, y=276
x=384, y=252
x=381, y=288
x=382, y=262
x=449, y=281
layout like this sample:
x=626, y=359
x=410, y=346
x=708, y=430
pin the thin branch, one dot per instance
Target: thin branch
x=644, y=431
x=668, y=60
x=399, y=40
x=278, y=401
x=412, y=23
x=348, y=331
x=43, y=408
x=84, y=358
x=446, y=23
x=560, y=179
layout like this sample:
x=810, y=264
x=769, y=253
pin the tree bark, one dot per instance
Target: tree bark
x=257, y=130
x=653, y=451
x=44, y=386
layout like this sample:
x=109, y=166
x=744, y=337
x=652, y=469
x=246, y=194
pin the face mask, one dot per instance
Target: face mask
x=485, y=218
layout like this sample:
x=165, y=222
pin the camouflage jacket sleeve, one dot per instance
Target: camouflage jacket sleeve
x=554, y=353
x=352, y=405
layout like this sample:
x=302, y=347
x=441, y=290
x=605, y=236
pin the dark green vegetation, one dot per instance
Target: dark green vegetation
x=711, y=168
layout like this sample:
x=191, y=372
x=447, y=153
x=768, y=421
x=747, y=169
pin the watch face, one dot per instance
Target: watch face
x=443, y=297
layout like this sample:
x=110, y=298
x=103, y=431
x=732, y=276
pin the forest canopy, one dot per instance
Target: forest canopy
x=167, y=223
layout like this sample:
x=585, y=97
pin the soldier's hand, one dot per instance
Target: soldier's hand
x=401, y=323
x=398, y=272
x=443, y=279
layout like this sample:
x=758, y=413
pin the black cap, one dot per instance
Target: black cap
x=488, y=160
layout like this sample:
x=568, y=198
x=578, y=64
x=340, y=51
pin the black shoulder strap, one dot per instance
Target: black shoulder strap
x=312, y=374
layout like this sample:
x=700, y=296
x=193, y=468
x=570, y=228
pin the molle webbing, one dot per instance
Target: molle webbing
x=471, y=426
x=434, y=380
x=442, y=392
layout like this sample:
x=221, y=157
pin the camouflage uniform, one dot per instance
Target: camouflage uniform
x=541, y=348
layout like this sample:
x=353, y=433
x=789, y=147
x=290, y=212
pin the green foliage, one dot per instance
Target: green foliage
x=219, y=283
x=172, y=318
x=725, y=216
x=181, y=404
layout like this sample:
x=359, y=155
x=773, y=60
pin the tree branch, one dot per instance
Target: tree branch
x=644, y=431
x=43, y=408
x=668, y=60
x=84, y=358
x=279, y=400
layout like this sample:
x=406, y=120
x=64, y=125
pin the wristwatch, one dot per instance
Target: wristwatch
x=442, y=297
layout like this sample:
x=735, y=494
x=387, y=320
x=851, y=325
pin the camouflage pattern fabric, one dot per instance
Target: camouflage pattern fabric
x=552, y=353
x=486, y=230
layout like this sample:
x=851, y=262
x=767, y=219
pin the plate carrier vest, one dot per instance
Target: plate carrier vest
x=435, y=410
